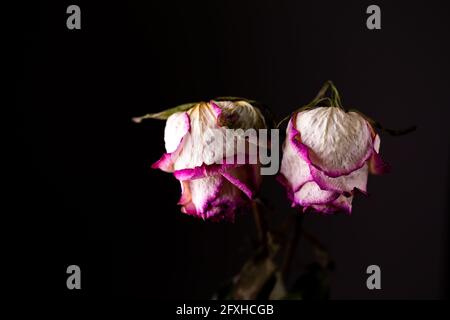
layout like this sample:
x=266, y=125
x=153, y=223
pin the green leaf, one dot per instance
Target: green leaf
x=255, y=278
x=228, y=98
x=376, y=124
x=279, y=288
x=164, y=115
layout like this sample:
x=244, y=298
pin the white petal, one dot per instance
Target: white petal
x=208, y=143
x=340, y=142
x=345, y=183
x=210, y=197
x=205, y=189
x=376, y=143
x=177, y=126
x=310, y=193
x=293, y=167
x=204, y=144
x=240, y=114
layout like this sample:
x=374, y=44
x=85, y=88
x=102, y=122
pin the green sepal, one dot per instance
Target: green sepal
x=320, y=100
x=379, y=126
x=229, y=98
x=164, y=115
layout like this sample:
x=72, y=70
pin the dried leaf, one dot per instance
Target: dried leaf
x=164, y=115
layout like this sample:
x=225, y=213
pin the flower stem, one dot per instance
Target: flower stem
x=292, y=246
x=335, y=96
x=323, y=90
x=261, y=225
x=334, y=99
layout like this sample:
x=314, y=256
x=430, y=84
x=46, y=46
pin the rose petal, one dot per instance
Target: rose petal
x=165, y=163
x=246, y=178
x=338, y=142
x=311, y=194
x=177, y=125
x=344, y=204
x=206, y=142
x=376, y=164
x=167, y=160
x=239, y=114
x=344, y=184
x=210, y=197
x=341, y=204
x=294, y=171
x=203, y=171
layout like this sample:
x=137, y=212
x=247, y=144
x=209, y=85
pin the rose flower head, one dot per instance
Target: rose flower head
x=203, y=157
x=327, y=155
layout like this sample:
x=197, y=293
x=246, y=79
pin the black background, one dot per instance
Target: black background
x=83, y=190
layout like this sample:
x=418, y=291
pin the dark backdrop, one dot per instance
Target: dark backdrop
x=84, y=185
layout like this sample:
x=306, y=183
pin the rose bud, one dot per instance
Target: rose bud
x=327, y=155
x=213, y=184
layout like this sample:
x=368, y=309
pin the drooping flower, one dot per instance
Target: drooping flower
x=327, y=156
x=201, y=156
